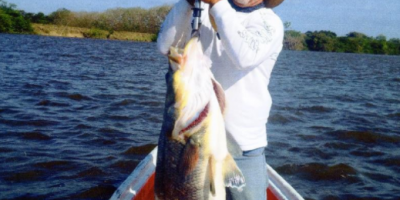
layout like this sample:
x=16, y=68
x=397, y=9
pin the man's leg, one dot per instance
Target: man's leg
x=252, y=164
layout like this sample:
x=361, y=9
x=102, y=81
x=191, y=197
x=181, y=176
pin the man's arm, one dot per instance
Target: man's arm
x=176, y=27
x=251, y=45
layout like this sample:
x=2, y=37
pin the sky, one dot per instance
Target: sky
x=371, y=17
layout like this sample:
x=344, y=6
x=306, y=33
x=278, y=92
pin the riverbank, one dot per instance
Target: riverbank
x=77, y=32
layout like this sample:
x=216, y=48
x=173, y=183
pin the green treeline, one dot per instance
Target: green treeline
x=328, y=41
x=13, y=21
x=139, y=20
x=120, y=19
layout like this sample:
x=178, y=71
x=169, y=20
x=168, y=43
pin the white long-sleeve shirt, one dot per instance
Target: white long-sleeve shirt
x=242, y=60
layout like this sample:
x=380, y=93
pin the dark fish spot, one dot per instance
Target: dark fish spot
x=33, y=175
x=321, y=172
x=35, y=136
x=141, y=150
x=97, y=192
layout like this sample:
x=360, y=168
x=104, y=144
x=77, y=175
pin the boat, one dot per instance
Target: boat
x=140, y=183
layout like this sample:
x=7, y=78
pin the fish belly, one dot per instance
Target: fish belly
x=172, y=183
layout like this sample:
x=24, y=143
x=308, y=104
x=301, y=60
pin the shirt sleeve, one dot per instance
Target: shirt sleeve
x=251, y=44
x=175, y=28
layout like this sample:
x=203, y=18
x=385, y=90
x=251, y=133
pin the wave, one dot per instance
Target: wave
x=140, y=150
x=32, y=175
x=96, y=192
x=364, y=136
x=125, y=166
x=281, y=119
x=55, y=164
x=39, y=123
x=316, y=109
x=51, y=103
x=321, y=172
x=35, y=136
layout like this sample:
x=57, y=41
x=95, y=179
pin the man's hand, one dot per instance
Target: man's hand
x=191, y=2
x=211, y=2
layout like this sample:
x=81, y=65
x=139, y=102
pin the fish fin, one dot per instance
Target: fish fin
x=233, y=147
x=219, y=92
x=233, y=177
x=211, y=163
x=213, y=24
x=175, y=58
x=189, y=158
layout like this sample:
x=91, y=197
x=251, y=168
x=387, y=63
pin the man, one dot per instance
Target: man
x=243, y=39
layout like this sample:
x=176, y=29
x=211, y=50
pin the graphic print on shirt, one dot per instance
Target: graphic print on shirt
x=255, y=38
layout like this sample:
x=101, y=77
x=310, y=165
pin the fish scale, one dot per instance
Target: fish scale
x=174, y=183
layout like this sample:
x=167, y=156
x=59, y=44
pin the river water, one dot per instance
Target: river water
x=77, y=115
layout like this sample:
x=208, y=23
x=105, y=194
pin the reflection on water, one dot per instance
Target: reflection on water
x=76, y=116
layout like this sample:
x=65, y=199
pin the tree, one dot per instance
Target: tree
x=321, y=40
x=6, y=25
x=356, y=35
x=12, y=21
x=379, y=45
x=394, y=46
x=61, y=17
x=294, y=40
x=287, y=25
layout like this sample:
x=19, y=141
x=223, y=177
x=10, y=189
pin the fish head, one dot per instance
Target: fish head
x=192, y=85
x=191, y=56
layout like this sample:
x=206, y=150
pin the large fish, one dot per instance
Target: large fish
x=193, y=160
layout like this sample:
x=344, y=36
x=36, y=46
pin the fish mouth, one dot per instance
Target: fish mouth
x=203, y=114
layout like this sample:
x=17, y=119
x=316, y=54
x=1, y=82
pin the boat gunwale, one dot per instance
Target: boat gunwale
x=131, y=188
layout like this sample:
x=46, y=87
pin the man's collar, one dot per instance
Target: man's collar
x=246, y=9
